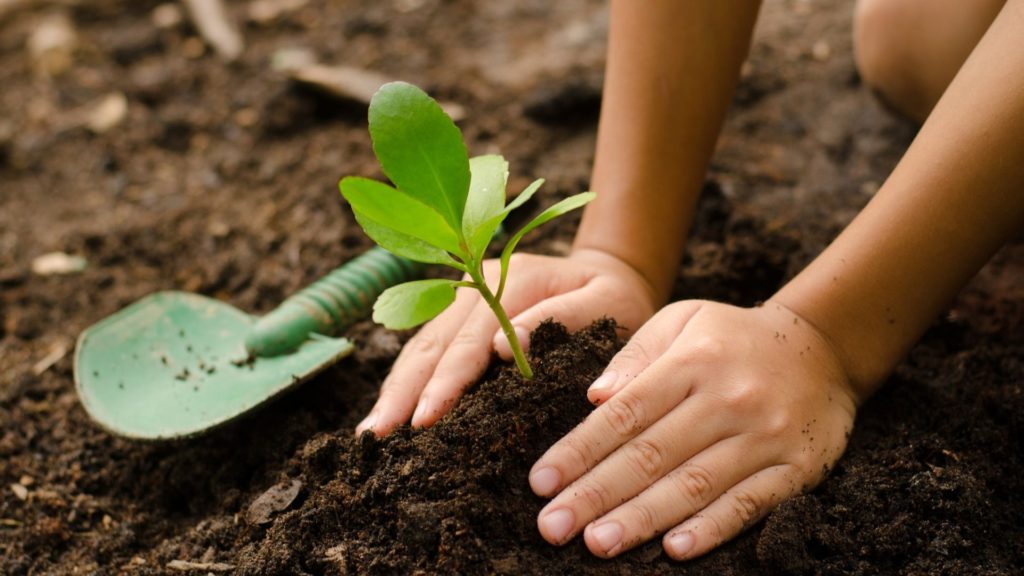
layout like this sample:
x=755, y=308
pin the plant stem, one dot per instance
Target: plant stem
x=506, y=324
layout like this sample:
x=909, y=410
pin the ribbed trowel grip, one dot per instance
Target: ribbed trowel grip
x=332, y=304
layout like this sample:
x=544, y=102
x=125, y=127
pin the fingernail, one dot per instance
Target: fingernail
x=608, y=536
x=605, y=381
x=545, y=481
x=367, y=423
x=421, y=410
x=680, y=544
x=558, y=524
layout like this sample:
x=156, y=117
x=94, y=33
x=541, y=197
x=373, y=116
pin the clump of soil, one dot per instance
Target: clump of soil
x=449, y=499
x=221, y=180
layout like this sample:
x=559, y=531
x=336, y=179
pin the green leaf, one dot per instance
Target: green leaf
x=479, y=241
x=413, y=303
x=488, y=175
x=421, y=149
x=404, y=245
x=525, y=195
x=387, y=207
x=569, y=204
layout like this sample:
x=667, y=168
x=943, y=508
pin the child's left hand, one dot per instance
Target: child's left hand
x=711, y=415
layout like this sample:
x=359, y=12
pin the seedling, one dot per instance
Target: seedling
x=444, y=208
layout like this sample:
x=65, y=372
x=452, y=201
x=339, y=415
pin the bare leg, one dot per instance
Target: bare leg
x=909, y=50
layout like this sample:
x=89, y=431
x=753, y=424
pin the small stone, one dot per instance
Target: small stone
x=277, y=498
x=345, y=82
x=288, y=59
x=51, y=45
x=106, y=114
x=26, y=480
x=55, y=263
x=821, y=51
x=214, y=24
x=188, y=566
x=267, y=11
x=20, y=492
x=167, y=16
x=454, y=110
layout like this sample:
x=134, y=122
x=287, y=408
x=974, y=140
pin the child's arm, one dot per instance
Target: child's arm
x=672, y=68
x=712, y=414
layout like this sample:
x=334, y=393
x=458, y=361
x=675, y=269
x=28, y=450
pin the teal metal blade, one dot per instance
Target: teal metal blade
x=175, y=364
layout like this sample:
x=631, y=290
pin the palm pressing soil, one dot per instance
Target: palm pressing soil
x=221, y=180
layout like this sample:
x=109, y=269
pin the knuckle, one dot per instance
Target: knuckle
x=576, y=452
x=806, y=463
x=624, y=413
x=704, y=349
x=465, y=339
x=678, y=307
x=423, y=344
x=715, y=527
x=743, y=395
x=646, y=518
x=694, y=483
x=746, y=508
x=778, y=424
x=594, y=496
x=632, y=353
x=646, y=456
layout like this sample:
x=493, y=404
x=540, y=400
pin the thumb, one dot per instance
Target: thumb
x=576, y=309
x=650, y=342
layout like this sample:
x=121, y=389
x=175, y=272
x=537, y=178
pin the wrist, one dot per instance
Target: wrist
x=864, y=369
x=855, y=383
x=652, y=281
x=607, y=260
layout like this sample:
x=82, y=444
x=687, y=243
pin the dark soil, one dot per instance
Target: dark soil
x=221, y=180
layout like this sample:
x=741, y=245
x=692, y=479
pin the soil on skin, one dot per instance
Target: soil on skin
x=221, y=179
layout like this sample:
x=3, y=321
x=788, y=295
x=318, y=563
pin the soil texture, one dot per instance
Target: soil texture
x=220, y=178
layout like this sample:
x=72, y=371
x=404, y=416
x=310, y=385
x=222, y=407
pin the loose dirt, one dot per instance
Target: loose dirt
x=221, y=179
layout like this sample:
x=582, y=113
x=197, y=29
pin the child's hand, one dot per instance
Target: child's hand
x=452, y=351
x=711, y=415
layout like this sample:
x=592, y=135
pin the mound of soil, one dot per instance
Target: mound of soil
x=221, y=179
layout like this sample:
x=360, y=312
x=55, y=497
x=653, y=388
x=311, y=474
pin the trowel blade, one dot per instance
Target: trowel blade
x=174, y=364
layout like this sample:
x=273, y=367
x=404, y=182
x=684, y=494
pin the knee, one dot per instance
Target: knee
x=883, y=52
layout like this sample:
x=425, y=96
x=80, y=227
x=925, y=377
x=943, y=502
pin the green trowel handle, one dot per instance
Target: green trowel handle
x=330, y=305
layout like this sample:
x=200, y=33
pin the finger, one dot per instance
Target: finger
x=573, y=305
x=467, y=356
x=632, y=468
x=649, y=343
x=645, y=401
x=461, y=364
x=680, y=494
x=737, y=509
x=414, y=367
x=632, y=410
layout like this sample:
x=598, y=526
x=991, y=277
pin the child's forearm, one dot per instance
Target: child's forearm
x=672, y=67
x=956, y=196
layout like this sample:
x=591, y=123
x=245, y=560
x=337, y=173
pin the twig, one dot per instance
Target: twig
x=187, y=566
x=211, y=19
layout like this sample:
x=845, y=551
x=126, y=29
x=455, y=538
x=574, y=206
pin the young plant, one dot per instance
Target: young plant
x=444, y=208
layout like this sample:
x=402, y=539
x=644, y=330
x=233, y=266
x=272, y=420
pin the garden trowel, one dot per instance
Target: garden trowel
x=176, y=364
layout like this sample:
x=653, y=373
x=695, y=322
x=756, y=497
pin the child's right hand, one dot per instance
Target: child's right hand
x=449, y=353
